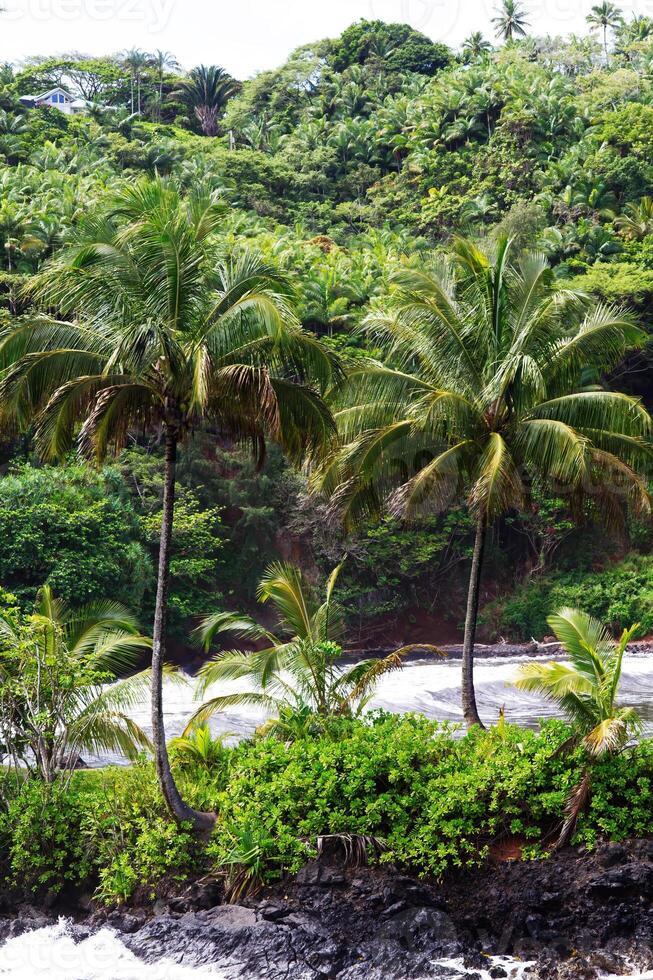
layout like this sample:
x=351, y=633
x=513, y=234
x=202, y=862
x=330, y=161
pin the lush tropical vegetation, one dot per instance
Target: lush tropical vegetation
x=297, y=676
x=586, y=690
x=489, y=393
x=55, y=665
x=385, y=310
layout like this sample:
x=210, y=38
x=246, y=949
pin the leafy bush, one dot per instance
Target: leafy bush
x=618, y=282
x=622, y=797
x=436, y=801
x=129, y=836
x=41, y=842
x=73, y=529
x=618, y=595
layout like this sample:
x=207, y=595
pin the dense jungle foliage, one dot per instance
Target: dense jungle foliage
x=357, y=154
x=431, y=803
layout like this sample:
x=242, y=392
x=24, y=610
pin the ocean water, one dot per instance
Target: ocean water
x=53, y=954
x=430, y=685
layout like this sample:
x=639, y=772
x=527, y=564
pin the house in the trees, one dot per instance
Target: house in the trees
x=57, y=98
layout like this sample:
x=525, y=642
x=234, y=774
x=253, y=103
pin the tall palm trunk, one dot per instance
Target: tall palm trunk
x=470, y=710
x=179, y=810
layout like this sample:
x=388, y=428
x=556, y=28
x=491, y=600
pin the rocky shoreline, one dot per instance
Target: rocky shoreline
x=576, y=916
x=484, y=650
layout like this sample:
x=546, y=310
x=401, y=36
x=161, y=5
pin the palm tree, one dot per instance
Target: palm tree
x=163, y=61
x=136, y=60
x=586, y=691
x=638, y=30
x=198, y=748
x=637, y=220
x=491, y=381
x=296, y=675
x=167, y=334
x=45, y=720
x=206, y=91
x=605, y=16
x=475, y=47
x=510, y=21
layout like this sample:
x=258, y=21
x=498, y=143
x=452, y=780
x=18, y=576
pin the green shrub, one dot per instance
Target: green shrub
x=130, y=838
x=438, y=803
x=619, y=595
x=435, y=800
x=622, y=797
x=40, y=832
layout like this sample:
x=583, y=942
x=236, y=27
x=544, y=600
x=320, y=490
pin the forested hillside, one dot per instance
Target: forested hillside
x=358, y=155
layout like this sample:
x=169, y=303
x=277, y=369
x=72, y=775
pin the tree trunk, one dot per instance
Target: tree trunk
x=470, y=710
x=208, y=119
x=179, y=810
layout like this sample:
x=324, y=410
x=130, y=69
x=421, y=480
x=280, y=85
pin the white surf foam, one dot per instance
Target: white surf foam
x=53, y=954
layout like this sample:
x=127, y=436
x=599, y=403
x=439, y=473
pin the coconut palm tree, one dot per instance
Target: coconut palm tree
x=586, y=691
x=510, y=21
x=475, y=47
x=491, y=380
x=45, y=720
x=163, y=61
x=605, y=17
x=296, y=676
x=206, y=91
x=167, y=333
x=136, y=61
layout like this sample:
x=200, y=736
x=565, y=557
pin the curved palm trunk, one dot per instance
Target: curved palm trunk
x=179, y=810
x=577, y=801
x=470, y=710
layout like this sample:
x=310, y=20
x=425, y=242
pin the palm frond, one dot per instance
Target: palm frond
x=436, y=485
x=226, y=622
x=285, y=586
x=108, y=731
x=251, y=699
x=554, y=448
x=583, y=637
x=498, y=486
x=576, y=803
x=233, y=665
